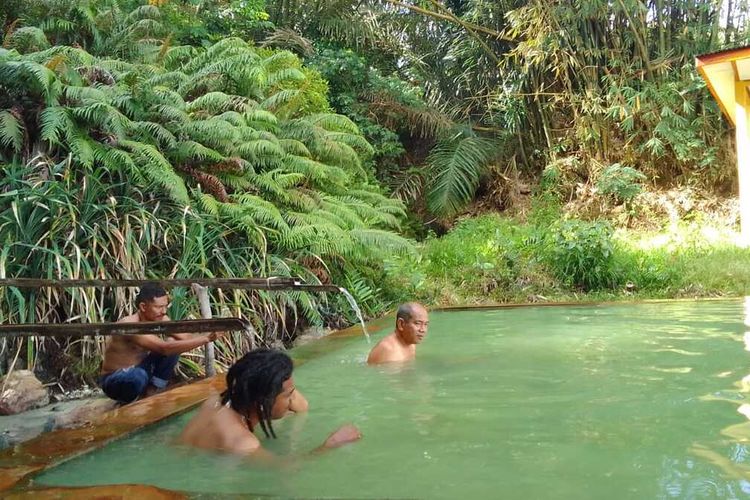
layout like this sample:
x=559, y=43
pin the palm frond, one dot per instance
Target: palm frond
x=455, y=168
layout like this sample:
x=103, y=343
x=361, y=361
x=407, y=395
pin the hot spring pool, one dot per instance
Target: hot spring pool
x=632, y=401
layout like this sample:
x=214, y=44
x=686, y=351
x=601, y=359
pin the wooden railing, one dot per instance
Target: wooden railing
x=200, y=287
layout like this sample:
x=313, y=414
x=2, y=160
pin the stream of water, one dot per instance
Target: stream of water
x=356, y=309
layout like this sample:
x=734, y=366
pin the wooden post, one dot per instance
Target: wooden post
x=205, y=305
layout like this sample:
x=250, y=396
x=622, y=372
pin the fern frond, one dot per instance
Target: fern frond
x=81, y=145
x=262, y=211
x=304, y=200
x=12, y=131
x=116, y=160
x=232, y=117
x=315, y=171
x=208, y=203
x=54, y=121
x=261, y=119
x=179, y=55
x=167, y=81
x=154, y=131
x=295, y=147
x=170, y=114
x=191, y=150
x=279, y=99
x=334, y=123
x=282, y=75
x=217, y=102
x=36, y=76
x=158, y=169
x=382, y=240
x=27, y=39
x=348, y=217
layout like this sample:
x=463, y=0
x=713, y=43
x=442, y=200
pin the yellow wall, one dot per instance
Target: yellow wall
x=742, y=131
x=721, y=78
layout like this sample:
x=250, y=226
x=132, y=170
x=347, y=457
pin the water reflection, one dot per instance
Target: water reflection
x=723, y=469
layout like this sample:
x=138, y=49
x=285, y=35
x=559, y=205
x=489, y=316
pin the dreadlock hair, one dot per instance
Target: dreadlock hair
x=149, y=292
x=254, y=381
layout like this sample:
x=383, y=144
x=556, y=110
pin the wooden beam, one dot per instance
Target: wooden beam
x=227, y=283
x=143, y=328
x=717, y=98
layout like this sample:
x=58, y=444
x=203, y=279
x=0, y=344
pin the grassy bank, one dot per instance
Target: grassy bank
x=547, y=257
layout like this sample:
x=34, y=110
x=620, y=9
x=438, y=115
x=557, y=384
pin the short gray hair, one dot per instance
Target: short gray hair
x=406, y=310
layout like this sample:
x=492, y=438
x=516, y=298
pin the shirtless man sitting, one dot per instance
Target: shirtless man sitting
x=260, y=389
x=140, y=365
x=401, y=344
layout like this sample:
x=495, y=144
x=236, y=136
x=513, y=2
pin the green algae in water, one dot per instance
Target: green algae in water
x=632, y=401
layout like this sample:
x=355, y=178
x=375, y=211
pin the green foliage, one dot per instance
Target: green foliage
x=622, y=183
x=482, y=257
x=206, y=22
x=215, y=161
x=580, y=253
x=491, y=259
x=625, y=92
x=391, y=114
x=455, y=167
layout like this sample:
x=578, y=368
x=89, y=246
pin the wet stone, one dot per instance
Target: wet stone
x=21, y=391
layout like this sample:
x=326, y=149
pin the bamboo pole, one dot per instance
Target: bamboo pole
x=141, y=328
x=217, y=282
x=205, y=306
x=437, y=15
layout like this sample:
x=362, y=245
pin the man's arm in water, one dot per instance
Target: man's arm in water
x=251, y=447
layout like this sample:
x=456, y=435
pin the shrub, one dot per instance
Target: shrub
x=622, y=183
x=580, y=253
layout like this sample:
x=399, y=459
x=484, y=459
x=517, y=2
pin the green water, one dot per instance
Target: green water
x=562, y=402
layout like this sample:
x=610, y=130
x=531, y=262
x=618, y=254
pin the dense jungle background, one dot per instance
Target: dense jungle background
x=453, y=152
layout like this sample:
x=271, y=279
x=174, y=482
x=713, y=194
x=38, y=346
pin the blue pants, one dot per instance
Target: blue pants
x=128, y=384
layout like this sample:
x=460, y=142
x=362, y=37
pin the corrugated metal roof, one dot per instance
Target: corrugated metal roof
x=724, y=51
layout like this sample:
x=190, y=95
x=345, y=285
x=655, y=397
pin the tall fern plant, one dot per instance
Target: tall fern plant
x=241, y=173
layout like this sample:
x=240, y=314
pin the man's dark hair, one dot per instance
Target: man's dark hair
x=149, y=292
x=405, y=311
x=254, y=381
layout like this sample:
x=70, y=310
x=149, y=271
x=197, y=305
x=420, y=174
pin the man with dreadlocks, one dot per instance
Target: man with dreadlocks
x=260, y=389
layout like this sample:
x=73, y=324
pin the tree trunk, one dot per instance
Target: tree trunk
x=730, y=18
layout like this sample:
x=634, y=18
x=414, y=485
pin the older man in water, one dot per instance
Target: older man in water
x=135, y=366
x=401, y=344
